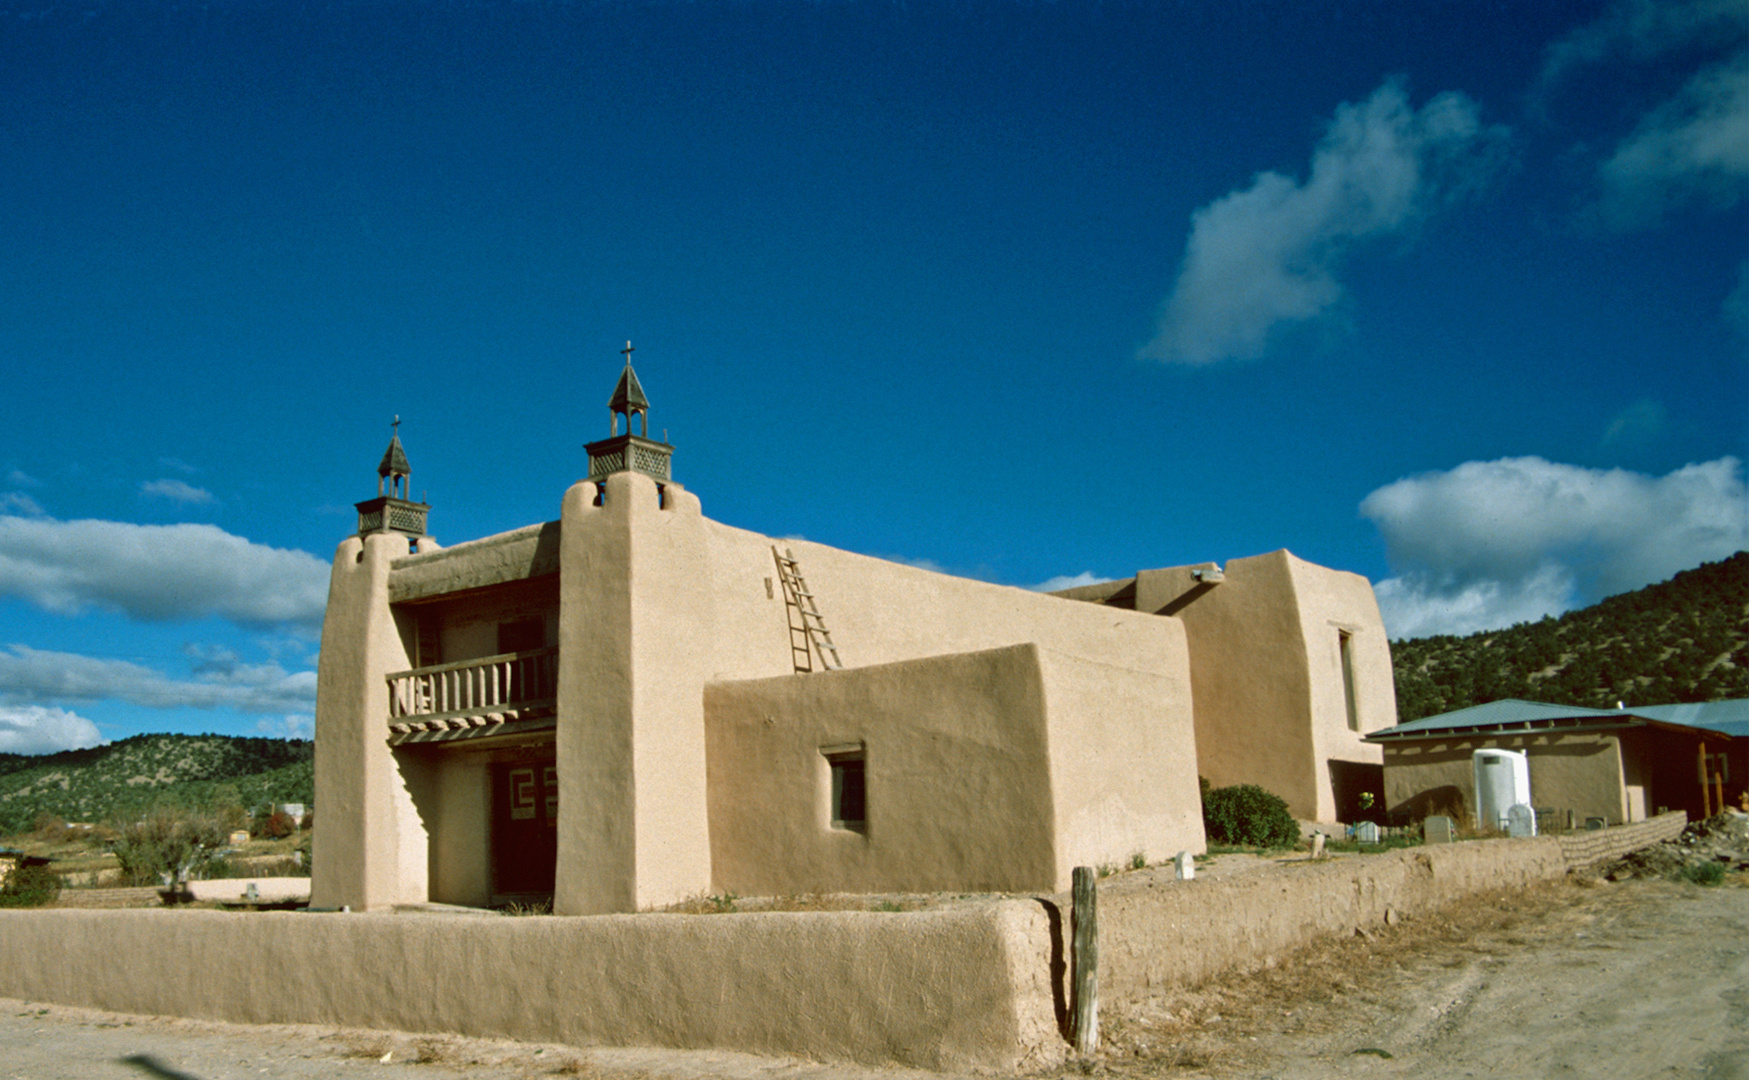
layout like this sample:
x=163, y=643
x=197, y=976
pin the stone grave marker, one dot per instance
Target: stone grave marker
x=1438, y=829
x=1520, y=820
x=1367, y=832
x=1184, y=865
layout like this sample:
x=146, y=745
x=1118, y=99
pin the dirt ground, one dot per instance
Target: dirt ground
x=1578, y=978
x=1581, y=978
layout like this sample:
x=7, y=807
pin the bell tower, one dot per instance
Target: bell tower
x=629, y=453
x=393, y=510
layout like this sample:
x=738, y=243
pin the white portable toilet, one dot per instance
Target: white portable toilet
x=1502, y=782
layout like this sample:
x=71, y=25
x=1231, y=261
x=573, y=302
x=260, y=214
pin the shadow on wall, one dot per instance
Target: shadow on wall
x=1447, y=799
x=1059, y=970
x=1349, y=782
x=1182, y=602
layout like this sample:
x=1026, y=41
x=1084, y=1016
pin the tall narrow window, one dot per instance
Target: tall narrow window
x=849, y=769
x=1345, y=645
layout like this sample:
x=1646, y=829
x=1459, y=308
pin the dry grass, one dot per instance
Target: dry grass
x=367, y=1046
x=462, y=1054
x=727, y=903
x=837, y=902
x=520, y=910
x=435, y=1051
x=1316, y=989
x=703, y=904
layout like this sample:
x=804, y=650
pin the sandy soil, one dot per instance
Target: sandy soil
x=1579, y=978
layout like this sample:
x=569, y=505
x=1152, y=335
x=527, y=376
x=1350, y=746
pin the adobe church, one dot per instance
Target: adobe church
x=634, y=704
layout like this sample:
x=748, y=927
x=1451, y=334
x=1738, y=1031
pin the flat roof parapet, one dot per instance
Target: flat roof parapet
x=518, y=555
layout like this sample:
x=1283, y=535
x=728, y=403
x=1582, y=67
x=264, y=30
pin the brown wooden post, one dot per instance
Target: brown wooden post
x=1086, y=956
x=1706, y=791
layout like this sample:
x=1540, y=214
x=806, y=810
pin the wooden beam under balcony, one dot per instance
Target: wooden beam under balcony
x=467, y=695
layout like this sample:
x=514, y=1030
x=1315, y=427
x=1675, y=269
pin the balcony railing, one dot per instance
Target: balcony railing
x=474, y=693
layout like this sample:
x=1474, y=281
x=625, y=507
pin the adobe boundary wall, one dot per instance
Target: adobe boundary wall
x=1184, y=932
x=962, y=988
x=1585, y=848
x=956, y=989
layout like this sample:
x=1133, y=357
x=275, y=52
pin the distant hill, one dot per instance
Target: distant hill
x=1686, y=639
x=123, y=779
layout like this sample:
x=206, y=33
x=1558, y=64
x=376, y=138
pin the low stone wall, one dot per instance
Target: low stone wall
x=1184, y=932
x=1585, y=848
x=962, y=988
x=956, y=989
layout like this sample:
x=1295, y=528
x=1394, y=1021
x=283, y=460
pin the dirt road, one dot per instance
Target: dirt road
x=1633, y=980
x=1573, y=979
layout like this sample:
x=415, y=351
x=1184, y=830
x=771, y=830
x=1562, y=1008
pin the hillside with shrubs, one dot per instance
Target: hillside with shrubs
x=1686, y=639
x=123, y=781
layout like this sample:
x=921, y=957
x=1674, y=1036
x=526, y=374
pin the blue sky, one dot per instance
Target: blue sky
x=1452, y=295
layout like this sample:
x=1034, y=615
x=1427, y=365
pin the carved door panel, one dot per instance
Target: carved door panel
x=525, y=818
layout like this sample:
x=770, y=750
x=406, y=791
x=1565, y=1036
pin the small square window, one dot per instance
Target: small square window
x=849, y=769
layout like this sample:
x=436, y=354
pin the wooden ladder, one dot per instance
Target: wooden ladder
x=807, y=630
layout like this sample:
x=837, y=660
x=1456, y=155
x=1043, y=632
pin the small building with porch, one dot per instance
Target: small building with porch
x=1619, y=765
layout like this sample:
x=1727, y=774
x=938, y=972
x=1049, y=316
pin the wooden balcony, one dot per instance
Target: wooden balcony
x=485, y=692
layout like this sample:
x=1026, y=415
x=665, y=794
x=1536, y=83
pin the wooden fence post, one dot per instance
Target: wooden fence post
x=1086, y=956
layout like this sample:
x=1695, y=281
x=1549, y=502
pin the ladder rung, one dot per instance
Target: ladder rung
x=813, y=632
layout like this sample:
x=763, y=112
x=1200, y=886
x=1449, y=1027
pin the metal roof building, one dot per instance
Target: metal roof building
x=1621, y=764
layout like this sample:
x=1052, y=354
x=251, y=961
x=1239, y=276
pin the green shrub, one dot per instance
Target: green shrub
x=1706, y=873
x=1249, y=816
x=30, y=886
x=233, y=867
x=167, y=847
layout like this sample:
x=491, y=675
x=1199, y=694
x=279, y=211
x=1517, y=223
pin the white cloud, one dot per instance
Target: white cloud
x=1736, y=306
x=920, y=564
x=1268, y=254
x=176, y=491
x=159, y=572
x=1415, y=606
x=21, y=478
x=1640, y=420
x=32, y=729
x=1694, y=145
x=17, y=502
x=1643, y=30
x=221, y=681
x=1061, y=582
x=1491, y=543
x=295, y=726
